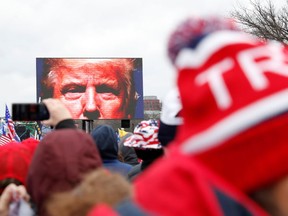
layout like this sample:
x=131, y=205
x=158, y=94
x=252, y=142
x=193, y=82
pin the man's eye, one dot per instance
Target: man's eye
x=73, y=89
x=73, y=92
x=107, y=89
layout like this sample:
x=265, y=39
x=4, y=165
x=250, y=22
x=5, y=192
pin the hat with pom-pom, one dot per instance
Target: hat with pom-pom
x=234, y=94
x=192, y=30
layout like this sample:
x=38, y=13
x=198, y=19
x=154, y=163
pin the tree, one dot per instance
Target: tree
x=263, y=20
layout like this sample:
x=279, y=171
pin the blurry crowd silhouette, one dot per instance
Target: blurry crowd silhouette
x=219, y=148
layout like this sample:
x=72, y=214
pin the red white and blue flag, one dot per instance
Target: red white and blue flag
x=4, y=139
x=8, y=130
x=10, y=124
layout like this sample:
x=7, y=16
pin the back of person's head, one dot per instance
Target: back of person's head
x=170, y=117
x=15, y=159
x=145, y=140
x=106, y=140
x=59, y=163
x=98, y=187
x=123, y=138
x=126, y=153
x=233, y=89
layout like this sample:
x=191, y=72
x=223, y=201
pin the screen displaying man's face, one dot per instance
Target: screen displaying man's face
x=92, y=88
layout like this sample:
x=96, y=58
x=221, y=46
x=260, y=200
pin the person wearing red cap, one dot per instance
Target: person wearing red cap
x=233, y=90
x=239, y=113
x=15, y=159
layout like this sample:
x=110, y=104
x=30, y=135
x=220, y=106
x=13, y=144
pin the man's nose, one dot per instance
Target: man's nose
x=91, y=104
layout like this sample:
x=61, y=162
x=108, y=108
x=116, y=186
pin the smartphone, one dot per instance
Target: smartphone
x=29, y=112
x=20, y=207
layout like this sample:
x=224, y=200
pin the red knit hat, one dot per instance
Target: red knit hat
x=15, y=159
x=234, y=93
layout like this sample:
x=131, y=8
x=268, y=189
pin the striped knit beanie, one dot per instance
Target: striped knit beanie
x=234, y=93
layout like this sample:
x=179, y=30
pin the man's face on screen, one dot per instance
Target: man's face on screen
x=91, y=92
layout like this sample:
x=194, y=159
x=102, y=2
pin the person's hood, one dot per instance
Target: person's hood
x=106, y=140
x=59, y=162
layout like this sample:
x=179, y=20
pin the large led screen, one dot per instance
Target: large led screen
x=93, y=88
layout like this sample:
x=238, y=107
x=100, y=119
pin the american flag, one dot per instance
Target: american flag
x=11, y=129
x=4, y=138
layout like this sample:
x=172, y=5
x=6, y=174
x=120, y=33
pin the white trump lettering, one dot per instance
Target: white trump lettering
x=213, y=77
x=270, y=58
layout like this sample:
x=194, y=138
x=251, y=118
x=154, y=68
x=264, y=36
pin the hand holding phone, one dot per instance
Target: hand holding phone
x=20, y=207
x=14, y=198
x=29, y=112
x=58, y=111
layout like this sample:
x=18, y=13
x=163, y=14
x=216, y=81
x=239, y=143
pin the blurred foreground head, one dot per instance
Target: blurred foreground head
x=232, y=142
x=234, y=93
x=61, y=160
x=98, y=187
x=15, y=159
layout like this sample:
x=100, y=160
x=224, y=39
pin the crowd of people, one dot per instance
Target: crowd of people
x=218, y=149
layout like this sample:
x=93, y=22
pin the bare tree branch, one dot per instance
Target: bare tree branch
x=263, y=20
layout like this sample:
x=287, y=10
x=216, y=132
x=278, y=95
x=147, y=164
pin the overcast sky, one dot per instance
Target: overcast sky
x=92, y=28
